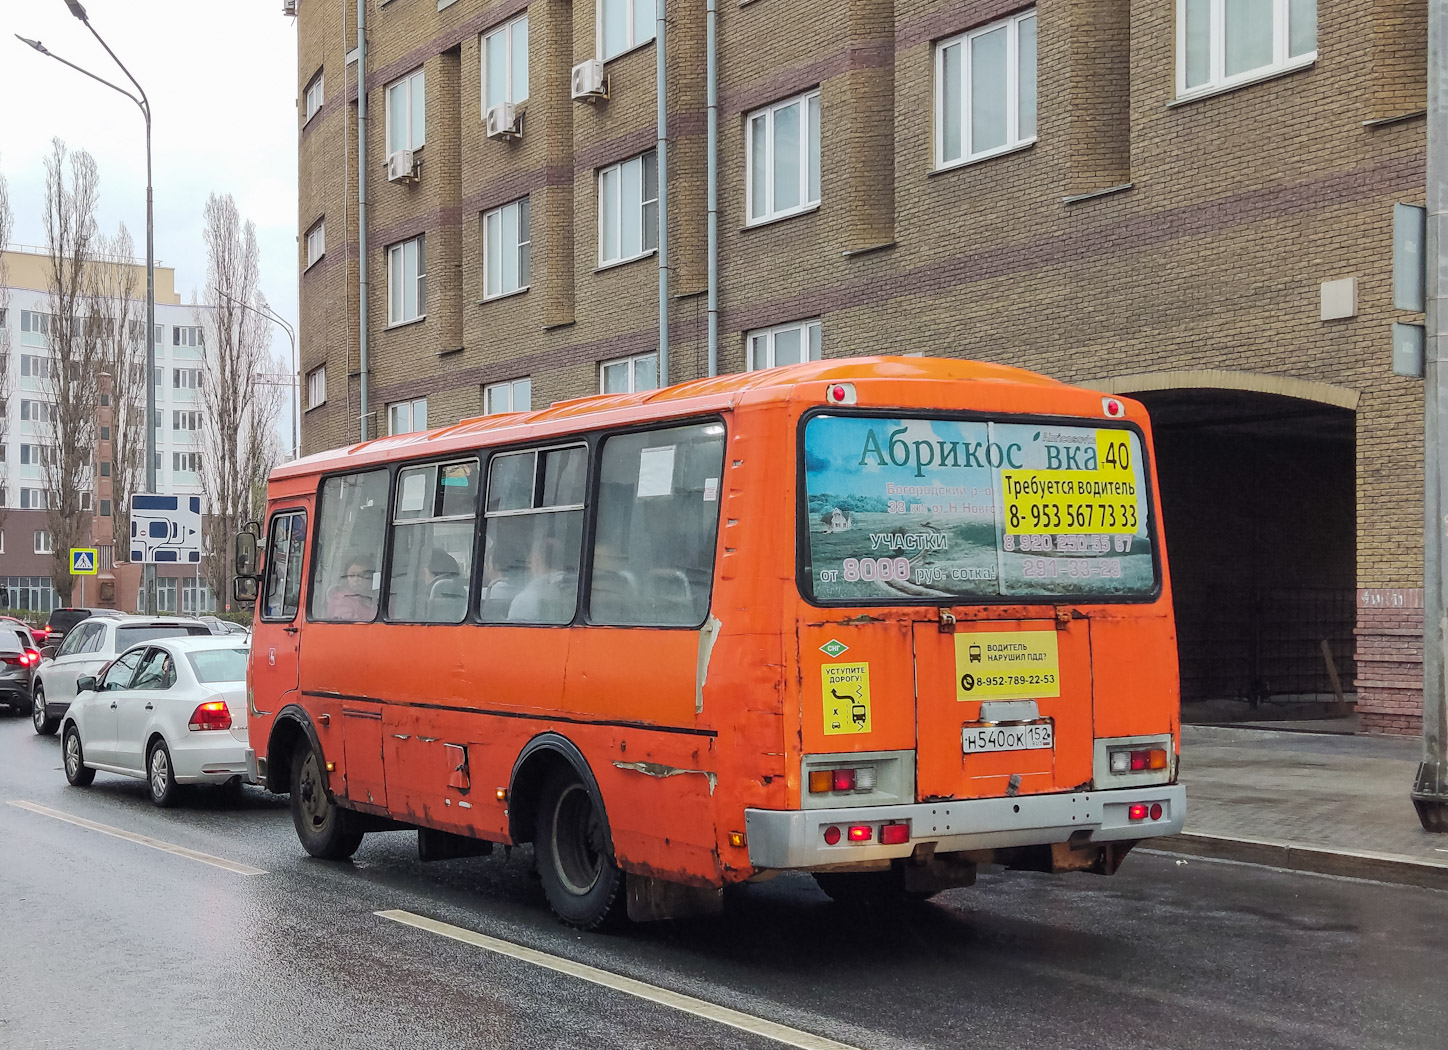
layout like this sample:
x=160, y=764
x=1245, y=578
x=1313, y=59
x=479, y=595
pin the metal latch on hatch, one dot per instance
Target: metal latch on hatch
x=947, y=621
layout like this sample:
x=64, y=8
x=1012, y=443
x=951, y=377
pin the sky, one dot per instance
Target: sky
x=221, y=78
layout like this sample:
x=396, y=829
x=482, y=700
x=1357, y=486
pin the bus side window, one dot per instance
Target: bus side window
x=534, y=536
x=433, y=531
x=284, y=566
x=351, y=526
x=658, y=519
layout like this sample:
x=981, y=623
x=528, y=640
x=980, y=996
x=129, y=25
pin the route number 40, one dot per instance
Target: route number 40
x=1117, y=454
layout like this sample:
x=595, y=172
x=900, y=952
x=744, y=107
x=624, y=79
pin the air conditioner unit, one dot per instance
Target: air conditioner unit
x=589, y=81
x=401, y=167
x=504, y=121
x=289, y=7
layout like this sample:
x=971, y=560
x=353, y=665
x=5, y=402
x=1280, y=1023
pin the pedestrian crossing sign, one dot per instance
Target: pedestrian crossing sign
x=84, y=561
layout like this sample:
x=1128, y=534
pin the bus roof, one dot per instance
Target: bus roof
x=699, y=395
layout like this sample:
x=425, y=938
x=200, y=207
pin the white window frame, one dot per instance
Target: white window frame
x=316, y=242
x=1217, y=79
x=408, y=412
x=185, y=379
x=633, y=38
x=316, y=95
x=507, y=29
x=633, y=364
x=34, y=497
x=36, y=325
x=1014, y=139
x=523, y=249
x=185, y=462
x=645, y=202
x=317, y=387
x=416, y=137
x=187, y=335
x=43, y=542
x=809, y=143
x=811, y=341
x=511, y=388
x=397, y=259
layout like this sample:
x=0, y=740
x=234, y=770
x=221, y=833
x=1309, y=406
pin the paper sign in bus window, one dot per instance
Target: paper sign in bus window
x=846, y=689
x=656, y=472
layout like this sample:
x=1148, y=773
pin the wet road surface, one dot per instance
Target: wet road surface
x=116, y=942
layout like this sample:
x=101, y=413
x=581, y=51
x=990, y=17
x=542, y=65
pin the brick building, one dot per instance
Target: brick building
x=1188, y=201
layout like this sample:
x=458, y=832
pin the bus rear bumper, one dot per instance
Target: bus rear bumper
x=796, y=838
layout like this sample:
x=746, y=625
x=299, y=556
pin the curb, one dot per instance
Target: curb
x=1358, y=864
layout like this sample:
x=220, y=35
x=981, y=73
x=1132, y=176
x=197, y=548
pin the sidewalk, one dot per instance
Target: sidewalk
x=1307, y=801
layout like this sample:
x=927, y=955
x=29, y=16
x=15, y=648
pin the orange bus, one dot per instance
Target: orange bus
x=882, y=620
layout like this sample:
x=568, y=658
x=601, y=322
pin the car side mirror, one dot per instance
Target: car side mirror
x=86, y=683
x=244, y=589
x=245, y=559
x=48, y=651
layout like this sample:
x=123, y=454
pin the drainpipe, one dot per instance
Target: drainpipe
x=663, y=166
x=362, y=210
x=711, y=161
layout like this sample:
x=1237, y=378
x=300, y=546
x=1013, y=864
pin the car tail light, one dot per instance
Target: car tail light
x=15, y=661
x=34, y=657
x=861, y=832
x=894, y=834
x=1137, y=811
x=832, y=836
x=211, y=715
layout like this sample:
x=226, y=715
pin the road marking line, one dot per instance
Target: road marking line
x=654, y=994
x=143, y=840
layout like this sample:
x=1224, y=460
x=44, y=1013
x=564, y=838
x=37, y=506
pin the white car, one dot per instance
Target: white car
x=89, y=646
x=171, y=711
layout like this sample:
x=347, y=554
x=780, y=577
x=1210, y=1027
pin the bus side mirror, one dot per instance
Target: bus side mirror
x=244, y=589
x=245, y=560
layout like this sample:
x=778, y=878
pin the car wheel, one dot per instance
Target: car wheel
x=160, y=777
x=44, y=725
x=326, y=830
x=583, y=884
x=76, y=771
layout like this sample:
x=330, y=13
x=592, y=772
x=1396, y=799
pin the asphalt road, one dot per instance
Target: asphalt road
x=114, y=943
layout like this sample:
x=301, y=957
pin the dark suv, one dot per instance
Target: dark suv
x=63, y=621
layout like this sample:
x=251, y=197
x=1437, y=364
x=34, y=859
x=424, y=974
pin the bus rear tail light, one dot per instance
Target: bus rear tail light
x=840, y=393
x=211, y=715
x=1138, y=761
x=844, y=780
x=861, y=832
x=832, y=836
x=1137, y=811
x=894, y=834
x=1156, y=811
x=822, y=781
x=1112, y=408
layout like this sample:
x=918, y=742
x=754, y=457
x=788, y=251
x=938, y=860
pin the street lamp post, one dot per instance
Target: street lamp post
x=148, y=571
x=295, y=409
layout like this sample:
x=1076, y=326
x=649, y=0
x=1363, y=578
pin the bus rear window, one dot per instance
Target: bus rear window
x=900, y=511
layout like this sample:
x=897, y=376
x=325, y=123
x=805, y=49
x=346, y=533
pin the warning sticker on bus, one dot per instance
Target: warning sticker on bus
x=1006, y=665
x=846, y=689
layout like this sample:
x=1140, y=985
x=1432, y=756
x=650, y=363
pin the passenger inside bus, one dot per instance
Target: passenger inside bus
x=355, y=598
x=551, y=592
x=447, y=593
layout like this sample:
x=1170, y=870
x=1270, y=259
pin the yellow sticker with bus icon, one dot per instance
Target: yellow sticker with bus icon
x=846, y=689
x=1006, y=665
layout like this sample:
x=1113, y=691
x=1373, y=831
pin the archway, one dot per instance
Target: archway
x=1258, y=482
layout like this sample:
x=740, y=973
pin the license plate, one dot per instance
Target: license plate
x=1035, y=736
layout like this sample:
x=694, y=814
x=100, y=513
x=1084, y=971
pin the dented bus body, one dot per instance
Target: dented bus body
x=882, y=620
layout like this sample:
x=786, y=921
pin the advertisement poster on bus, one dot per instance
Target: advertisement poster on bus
x=923, y=509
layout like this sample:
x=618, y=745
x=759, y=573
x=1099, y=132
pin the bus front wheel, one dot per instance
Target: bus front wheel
x=326, y=830
x=584, y=886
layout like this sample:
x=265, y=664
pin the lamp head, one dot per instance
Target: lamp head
x=33, y=43
x=76, y=9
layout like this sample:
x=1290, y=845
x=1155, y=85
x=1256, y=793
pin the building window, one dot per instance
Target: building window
x=85, y=501
x=624, y=25
x=784, y=158
x=105, y=512
x=35, y=367
x=32, y=499
x=406, y=128
x=185, y=378
x=42, y=541
x=105, y=468
x=628, y=209
x=185, y=462
x=403, y=417
x=507, y=249
x=505, y=64
x=105, y=436
x=315, y=96
x=628, y=375
x=37, y=411
x=316, y=386
x=34, y=328
x=1225, y=42
x=183, y=421
x=515, y=395
x=407, y=281
x=186, y=335
x=316, y=242
x=985, y=100
x=786, y=344
x=196, y=597
x=166, y=594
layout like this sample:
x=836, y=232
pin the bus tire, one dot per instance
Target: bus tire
x=585, y=888
x=879, y=889
x=325, y=829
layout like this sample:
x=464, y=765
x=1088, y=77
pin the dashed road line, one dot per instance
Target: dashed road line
x=628, y=985
x=143, y=840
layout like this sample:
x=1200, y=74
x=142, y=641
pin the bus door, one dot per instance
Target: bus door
x=276, y=638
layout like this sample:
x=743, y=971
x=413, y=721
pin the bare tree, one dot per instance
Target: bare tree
x=238, y=410
x=75, y=356
x=7, y=226
x=120, y=318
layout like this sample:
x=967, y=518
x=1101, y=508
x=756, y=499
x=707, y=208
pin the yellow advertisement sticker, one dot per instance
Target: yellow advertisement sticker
x=1040, y=502
x=1006, y=665
x=846, y=689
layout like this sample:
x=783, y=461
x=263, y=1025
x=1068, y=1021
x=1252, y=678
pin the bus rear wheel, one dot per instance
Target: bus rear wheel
x=585, y=888
x=878, y=889
x=326, y=830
